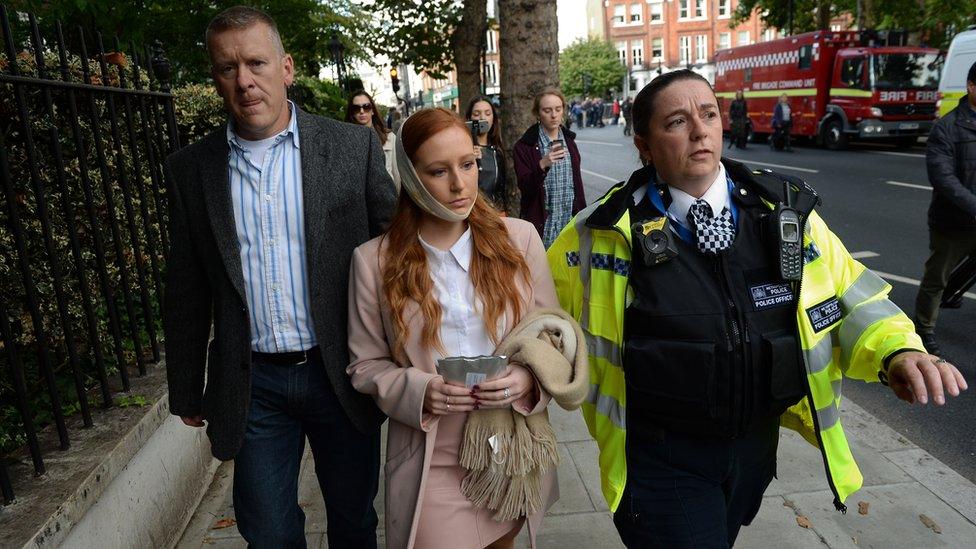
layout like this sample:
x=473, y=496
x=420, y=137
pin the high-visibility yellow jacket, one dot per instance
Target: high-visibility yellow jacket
x=590, y=266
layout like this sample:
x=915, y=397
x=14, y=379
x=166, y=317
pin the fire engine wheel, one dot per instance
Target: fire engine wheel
x=833, y=135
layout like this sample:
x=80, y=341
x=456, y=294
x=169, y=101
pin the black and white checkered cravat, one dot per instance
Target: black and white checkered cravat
x=714, y=233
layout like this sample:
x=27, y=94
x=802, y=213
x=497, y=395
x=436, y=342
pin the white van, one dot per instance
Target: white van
x=961, y=56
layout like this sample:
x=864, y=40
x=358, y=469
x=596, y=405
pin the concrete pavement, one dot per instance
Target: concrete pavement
x=909, y=499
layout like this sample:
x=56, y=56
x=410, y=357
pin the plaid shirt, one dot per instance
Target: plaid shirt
x=558, y=187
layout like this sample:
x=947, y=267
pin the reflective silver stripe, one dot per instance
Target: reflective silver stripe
x=585, y=249
x=864, y=288
x=835, y=386
x=828, y=417
x=819, y=357
x=608, y=406
x=859, y=320
x=602, y=347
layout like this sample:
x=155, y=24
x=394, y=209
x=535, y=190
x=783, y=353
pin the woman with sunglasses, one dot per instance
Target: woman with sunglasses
x=361, y=110
x=489, y=150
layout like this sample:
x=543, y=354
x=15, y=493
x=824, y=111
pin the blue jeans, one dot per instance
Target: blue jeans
x=288, y=404
x=694, y=492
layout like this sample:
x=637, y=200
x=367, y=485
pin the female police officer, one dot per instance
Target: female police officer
x=718, y=306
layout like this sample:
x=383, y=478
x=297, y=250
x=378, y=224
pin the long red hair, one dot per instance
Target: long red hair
x=496, y=264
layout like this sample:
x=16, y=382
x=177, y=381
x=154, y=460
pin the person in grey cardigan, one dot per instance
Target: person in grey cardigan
x=264, y=215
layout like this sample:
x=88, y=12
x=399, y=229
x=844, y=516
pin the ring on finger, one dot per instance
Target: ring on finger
x=941, y=361
x=448, y=401
x=448, y=406
x=507, y=393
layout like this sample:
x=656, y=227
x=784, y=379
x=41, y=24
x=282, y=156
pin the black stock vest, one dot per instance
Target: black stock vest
x=711, y=345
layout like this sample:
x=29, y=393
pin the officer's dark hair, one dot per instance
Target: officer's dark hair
x=971, y=77
x=643, y=108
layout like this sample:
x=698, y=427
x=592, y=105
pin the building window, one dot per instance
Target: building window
x=657, y=49
x=618, y=14
x=768, y=34
x=743, y=39
x=491, y=43
x=724, y=40
x=701, y=48
x=635, y=13
x=700, y=9
x=724, y=9
x=657, y=11
x=684, y=50
x=637, y=53
x=683, y=12
x=622, y=53
x=491, y=73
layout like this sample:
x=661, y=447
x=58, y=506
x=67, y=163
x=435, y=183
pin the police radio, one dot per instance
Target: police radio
x=785, y=222
x=655, y=240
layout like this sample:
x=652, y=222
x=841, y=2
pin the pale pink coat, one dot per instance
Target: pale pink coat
x=399, y=389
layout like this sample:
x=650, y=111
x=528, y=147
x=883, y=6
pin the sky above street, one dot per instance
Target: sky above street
x=572, y=21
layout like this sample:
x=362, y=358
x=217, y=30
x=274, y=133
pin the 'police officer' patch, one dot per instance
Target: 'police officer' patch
x=825, y=314
x=767, y=296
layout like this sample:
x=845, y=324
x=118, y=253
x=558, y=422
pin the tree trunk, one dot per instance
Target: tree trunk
x=823, y=14
x=529, y=62
x=467, y=43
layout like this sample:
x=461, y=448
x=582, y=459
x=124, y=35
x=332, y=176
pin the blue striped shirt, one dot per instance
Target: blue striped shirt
x=269, y=215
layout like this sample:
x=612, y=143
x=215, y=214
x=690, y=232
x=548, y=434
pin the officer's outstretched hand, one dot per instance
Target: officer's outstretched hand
x=919, y=376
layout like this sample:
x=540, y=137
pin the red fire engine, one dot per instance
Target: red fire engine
x=841, y=85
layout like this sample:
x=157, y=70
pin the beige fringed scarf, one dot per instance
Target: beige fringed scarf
x=506, y=453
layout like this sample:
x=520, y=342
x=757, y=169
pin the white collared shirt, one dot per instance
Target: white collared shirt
x=462, y=329
x=717, y=197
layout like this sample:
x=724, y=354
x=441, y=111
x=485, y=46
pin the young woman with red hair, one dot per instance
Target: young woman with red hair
x=449, y=278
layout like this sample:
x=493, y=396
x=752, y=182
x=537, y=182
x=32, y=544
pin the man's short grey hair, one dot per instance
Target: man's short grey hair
x=242, y=17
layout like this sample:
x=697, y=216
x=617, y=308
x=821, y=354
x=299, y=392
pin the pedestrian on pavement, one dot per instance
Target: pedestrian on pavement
x=577, y=112
x=361, y=109
x=625, y=110
x=587, y=112
x=490, y=152
x=738, y=121
x=547, y=166
x=264, y=216
x=782, y=124
x=397, y=121
x=450, y=278
x=688, y=428
x=949, y=158
x=615, y=111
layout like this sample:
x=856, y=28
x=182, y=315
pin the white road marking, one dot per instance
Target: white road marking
x=892, y=153
x=601, y=176
x=910, y=185
x=794, y=168
x=864, y=255
x=912, y=281
x=607, y=143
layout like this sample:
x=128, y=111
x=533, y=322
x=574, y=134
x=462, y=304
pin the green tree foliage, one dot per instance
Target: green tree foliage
x=418, y=33
x=808, y=15
x=929, y=22
x=594, y=57
x=305, y=26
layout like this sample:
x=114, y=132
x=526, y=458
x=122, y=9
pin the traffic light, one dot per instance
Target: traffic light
x=395, y=80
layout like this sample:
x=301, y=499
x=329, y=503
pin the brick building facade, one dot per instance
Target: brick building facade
x=663, y=35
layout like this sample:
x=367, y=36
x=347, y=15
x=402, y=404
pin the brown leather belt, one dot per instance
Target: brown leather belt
x=291, y=358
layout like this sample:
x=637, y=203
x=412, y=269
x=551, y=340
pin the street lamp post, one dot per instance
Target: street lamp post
x=337, y=50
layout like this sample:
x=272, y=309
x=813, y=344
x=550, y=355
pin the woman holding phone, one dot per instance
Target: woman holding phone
x=490, y=151
x=449, y=278
x=547, y=165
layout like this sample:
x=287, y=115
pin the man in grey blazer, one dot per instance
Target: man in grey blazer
x=264, y=216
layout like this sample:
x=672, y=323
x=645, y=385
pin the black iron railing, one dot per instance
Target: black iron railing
x=82, y=138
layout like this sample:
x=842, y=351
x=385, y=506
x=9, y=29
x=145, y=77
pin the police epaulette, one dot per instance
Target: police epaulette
x=805, y=199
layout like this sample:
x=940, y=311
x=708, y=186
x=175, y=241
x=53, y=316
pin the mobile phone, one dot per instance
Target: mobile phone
x=557, y=144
